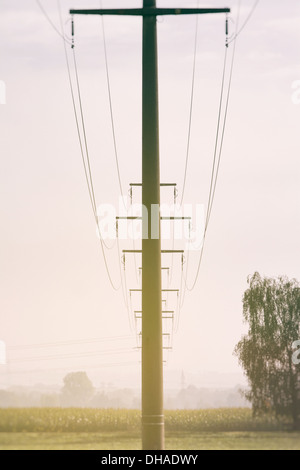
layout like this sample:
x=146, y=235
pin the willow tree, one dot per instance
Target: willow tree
x=272, y=311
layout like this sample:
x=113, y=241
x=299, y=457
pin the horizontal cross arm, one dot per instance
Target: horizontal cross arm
x=150, y=11
x=163, y=251
x=139, y=185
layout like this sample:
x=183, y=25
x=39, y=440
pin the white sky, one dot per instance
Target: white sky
x=53, y=281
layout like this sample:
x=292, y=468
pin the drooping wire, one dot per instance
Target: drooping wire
x=111, y=352
x=103, y=244
x=87, y=163
x=113, y=128
x=216, y=163
x=87, y=173
x=51, y=22
x=181, y=297
x=68, y=343
x=172, y=256
x=224, y=124
x=212, y=180
x=187, y=152
x=110, y=103
x=76, y=116
x=236, y=35
x=89, y=170
x=124, y=281
x=87, y=366
x=191, y=109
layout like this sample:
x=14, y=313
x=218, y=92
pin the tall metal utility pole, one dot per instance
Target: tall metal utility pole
x=152, y=345
x=152, y=340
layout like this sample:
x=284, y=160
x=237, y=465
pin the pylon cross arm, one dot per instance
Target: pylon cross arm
x=151, y=11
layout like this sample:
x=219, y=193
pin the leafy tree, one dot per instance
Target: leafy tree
x=77, y=390
x=272, y=311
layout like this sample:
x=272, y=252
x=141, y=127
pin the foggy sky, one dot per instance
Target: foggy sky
x=54, y=286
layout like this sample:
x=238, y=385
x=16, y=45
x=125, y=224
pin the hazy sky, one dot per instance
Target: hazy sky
x=54, y=286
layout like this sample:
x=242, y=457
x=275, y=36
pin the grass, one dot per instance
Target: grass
x=95, y=420
x=121, y=441
x=90, y=429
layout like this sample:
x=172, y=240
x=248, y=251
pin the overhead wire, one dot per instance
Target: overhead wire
x=236, y=35
x=110, y=103
x=74, y=355
x=223, y=134
x=212, y=179
x=61, y=369
x=124, y=284
x=76, y=114
x=51, y=22
x=217, y=156
x=224, y=124
x=116, y=153
x=179, y=299
x=94, y=204
x=191, y=109
x=87, y=168
x=68, y=343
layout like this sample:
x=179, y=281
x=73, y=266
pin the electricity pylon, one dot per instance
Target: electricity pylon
x=152, y=339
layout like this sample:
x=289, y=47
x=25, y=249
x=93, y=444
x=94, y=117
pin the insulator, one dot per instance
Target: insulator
x=227, y=31
x=72, y=31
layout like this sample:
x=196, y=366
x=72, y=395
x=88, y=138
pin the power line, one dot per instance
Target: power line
x=84, y=143
x=75, y=111
x=225, y=122
x=110, y=103
x=114, y=142
x=68, y=343
x=124, y=285
x=216, y=165
x=191, y=109
x=212, y=181
x=63, y=369
x=217, y=136
x=246, y=21
x=86, y=170
x=94, y=204
x=74, y=355
x=112, y=120
x=51, y=22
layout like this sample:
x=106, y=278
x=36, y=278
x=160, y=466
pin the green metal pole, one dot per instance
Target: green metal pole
x=152, y=347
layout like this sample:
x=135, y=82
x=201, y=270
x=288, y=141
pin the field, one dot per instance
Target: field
x=87, y=429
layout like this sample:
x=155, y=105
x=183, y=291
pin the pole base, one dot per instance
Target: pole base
x=153, y=432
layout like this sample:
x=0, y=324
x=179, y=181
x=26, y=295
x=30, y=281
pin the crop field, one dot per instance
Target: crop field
x=91, y=429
